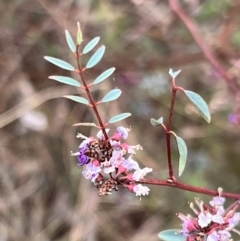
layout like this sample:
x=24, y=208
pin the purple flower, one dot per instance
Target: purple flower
x=130, y=164
x=92, y=171
x=217, y=201
x=141, y=190
x=141, y=173
x=123, y=132
x=204, y=219
x=82, y=158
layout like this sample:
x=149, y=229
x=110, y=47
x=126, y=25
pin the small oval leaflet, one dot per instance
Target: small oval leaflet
x=174, y=74
x=119, y=117
x=97, y=56
x=60, y=63
x=77, y=99
x=182, y=149
x=199, y=103
x=91, y=45
x=172, y=235
x=104, y=75
x=65, y=80
x=155, y=122
x=112, y=95
x=70, y=41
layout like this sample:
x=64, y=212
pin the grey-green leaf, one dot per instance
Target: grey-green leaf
x=171, y=235
x=182, y=149
x=60, y=63
x=97, y=56
x=91, y=45
x=155, y=122
x=174, y=74
x=199, y=103
x=70, y=41
x=112, y=95
x=119, y=117
x=104, y=75
x=77, y=99
x=65, y=80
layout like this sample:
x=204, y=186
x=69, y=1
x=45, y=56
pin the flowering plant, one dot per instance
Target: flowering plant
x=108, y=160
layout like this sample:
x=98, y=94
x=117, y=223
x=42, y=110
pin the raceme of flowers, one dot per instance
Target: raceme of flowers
x=212, y=222
x=109, y=163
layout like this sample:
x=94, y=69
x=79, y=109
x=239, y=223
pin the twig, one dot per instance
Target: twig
x=192, y=27
x=187, y=187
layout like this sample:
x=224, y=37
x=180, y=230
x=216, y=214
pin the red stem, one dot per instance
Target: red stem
x=93, y=104
x=168, y=131
x=207, y=51
x=190, y=188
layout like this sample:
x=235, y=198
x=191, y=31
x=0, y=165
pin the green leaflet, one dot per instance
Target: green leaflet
x=112, y=95
x=60, y=63
x=77, y=99
x=97, y=56
x=119, y=117
x=91, y=45
x=199, y=104
x=104, y=75
x=65, y=80
x=70, y=41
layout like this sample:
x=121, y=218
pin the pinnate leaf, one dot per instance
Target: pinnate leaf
x=119, y=117
x=70, y=41
x=77, y=99
x=171, y=235
x=91, y=45
x=65, y=80
x=104, y=75
x=60, y=63
x=112, y=95
x=199, y=103
x=97, y=56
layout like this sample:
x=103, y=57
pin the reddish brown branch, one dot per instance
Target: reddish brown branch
x=190, y=188
x=93, y=104
x=168, y=131
x=209, y=54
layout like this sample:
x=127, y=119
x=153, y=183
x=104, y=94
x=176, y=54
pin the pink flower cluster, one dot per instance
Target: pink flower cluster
x=111, y=157
x=212, y=222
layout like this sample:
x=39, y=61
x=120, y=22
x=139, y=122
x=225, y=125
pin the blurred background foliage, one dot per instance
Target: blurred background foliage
x=42, y=193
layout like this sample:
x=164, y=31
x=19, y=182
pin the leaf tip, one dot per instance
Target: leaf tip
x=174, y=74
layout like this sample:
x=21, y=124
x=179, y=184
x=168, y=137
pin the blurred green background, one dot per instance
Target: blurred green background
x=43, y=195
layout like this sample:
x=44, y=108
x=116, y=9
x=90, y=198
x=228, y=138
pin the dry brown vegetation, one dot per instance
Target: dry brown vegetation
x=43, y=195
